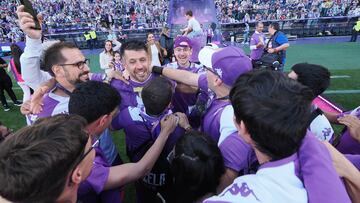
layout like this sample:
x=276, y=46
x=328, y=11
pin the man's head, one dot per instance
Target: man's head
x=157, y=95
x=259, y=27
x=97, y=102
x=182, y=50
x=316, y=77
x=46, y=162
x=188, y=14
x=271, y=112
x=66, y=63
x=224, y=65
x=135, y=59
x=273, y=27
x=165, y=31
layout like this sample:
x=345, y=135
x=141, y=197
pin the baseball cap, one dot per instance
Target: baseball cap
x=182, y=41
x=228, y=63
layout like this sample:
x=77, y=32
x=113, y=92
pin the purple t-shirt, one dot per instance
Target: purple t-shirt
x=354, y=159
x=255, y=39
x=140, y=129
x=217, y=121
x=91, y=190
x=53, y=105
x=130, y=93
x=317, y=172
x=347, y=144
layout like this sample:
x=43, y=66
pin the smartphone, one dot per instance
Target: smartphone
x=29, y=9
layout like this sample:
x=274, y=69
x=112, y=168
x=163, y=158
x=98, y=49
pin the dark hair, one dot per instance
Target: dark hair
x=316, y=77
x=53, y=55
x=133, y=45
x=274, y=109
x=258, y=23
x=197, y=167
x=93, y=99
x=35, y=162
x=15, y=54
x=275, y=25
x=157, y=95
x=189, y=13
x=1, y=135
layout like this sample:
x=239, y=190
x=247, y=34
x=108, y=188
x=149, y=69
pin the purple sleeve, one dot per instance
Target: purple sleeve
x=321, y=181
x=98, y=176
x=97, y=77
x=236, y=152
x=354, y=159
x=254, y=40
x=202, y=83
x=116, y=123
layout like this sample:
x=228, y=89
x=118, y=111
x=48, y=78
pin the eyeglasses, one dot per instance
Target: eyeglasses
x=80, y=64
x=211, y=70
x=95, y=144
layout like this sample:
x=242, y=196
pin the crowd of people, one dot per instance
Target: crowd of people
x=101, y=14
x=215, y=129
x=255, y=10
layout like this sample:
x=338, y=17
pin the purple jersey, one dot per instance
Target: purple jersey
x=256, y=53
x=348, y=145
x=218, y=118
x=53, y=105
x=130, y=93
x=354, y=159
x=317, y=172
x=91, y=190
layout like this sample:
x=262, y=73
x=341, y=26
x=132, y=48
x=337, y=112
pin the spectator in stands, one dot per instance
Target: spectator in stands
x=197, y=165
x=46, y=170
x=107, y=55
x=155, y=50
x=278, y=43
x=6, y=85
x=121, y=35
x=246, y=33
x=355, y=31
x=168, y=43
x=257, y=42
x=15, y=68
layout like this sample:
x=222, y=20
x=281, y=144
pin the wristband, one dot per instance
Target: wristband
x=157, y=69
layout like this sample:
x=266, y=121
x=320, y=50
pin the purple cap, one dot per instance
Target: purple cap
x=182, y=41
x=228, y=63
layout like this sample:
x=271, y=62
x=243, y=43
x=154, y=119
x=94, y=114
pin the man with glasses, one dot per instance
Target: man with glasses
x=184, y=101
x=65, y=63
x=46, y=162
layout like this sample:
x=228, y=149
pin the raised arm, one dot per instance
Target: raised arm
x=126, y=173
x=182, y=76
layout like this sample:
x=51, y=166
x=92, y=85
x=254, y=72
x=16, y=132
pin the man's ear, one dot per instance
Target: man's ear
x=103, y=120
x=217, y=82
x=77, y=175
x=242, y=131
x=57, y=70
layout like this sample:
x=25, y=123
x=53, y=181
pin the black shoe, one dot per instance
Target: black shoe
x=17, y=103
x=6, y=108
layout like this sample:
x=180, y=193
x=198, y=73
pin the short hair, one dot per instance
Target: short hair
x=93, y=99
x=258, y=23
x=189, y=13
x=133, y=45
x=157, y=95
x=316, y=77
x=197, y=166
x=35, y=162
x=275, y=25
x=275, y=110
x=53, y=56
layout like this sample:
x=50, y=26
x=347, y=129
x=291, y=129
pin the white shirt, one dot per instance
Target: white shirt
x=274, y=182
x=155, y=61
x=195, y=25
x=105, y=59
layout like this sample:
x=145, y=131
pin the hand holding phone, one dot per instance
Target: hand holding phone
x=27, y=23
x=29, y=9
